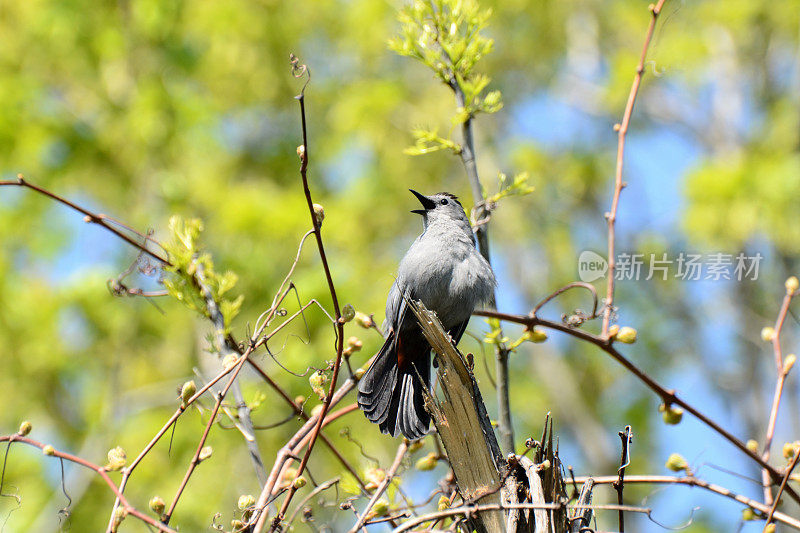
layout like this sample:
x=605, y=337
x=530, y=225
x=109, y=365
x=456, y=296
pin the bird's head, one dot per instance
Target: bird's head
x=440, y=206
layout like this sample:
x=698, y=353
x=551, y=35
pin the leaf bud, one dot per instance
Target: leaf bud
x=626, y=334
x=245, y=501
x=348, y=313
x=205, y=453
x=365, y=321
x=767, y=334
x=792, y=284
x=187, y=391
x=676, y=462
x=157, y=505
x=672, y=415
x=49, y=450
x=25, y=428
x=427, y=463
x=116, y=458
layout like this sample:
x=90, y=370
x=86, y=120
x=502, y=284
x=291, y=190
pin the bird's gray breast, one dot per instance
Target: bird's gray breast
x=448, y=274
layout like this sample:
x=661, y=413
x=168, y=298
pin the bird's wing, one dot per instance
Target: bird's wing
x=395, y=307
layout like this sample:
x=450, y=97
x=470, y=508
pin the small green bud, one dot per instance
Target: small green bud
x=375, y=475
x=205, y=453
x=25, y=428
x=354, y=343
x=381, y=507
x=789, y=362
x=612, y=331
x=676, y=463
x=319, y=214
x=229, y=361
x=534, y=335
x=299, y=400
x=626, y=334
x=301, y=151
x=748, y=514
x=544, y=465
x=317, y=410
x=157, y=505
x=792, y=284
x=444, y=503
x=492, y=99
x=770, y=528
x=348, y=313
x=752, y=445
x=237, y=525
x=299, y=483
x=187, y=391
x=317, y=379
x=245, y=501
x=767, y=334
x=119, y=515
x=365, y=321
x=116, y=458
x=359, y=373
x=427, y=463
x=49, y=450
x=672, y=415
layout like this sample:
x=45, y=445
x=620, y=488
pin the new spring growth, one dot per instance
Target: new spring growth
x=416, y=446
x=671, y=414
x=365, y=321
x=767, y=334
x=317, y=410
x=301, y=152
x=317, y=380
x=25, y=428
x=187, y=391
x=748, y=514
x=380, y=508
x=49, y=450
x=299, y=483
x=769, y=528
x=790, y=449
x=205, y=453
x=444, y=503
x=612, y=331
x=752, y=445
x=789, y=362
x=237, y=525
x=354, y=344
x=792, y=284
x=427, y=463
x=157, y=505
x=319, y=214
x=245, y=501
x=374, y=477
x=348, y=313
x=116, y=458
x=676, y=462
x=359, y=373
x=230, y=361
x=626, y=334
x=534, y=335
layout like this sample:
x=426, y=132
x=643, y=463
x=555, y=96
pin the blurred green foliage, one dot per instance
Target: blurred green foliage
x=146, y=109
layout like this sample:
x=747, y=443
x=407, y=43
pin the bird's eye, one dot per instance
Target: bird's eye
x=443, y=201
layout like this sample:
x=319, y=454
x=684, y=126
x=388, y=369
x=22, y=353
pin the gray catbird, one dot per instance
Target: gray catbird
x=444, y=270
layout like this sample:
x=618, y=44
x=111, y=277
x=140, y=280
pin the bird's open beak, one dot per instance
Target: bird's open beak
x=426, y=202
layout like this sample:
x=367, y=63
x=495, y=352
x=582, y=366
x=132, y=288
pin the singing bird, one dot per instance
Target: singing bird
x=444, y=270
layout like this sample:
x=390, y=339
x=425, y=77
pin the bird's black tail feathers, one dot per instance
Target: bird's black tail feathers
x=391, y=394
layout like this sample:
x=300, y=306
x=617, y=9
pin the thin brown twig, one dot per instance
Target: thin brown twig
x=668, y=396
x=697, y=482
x=622, y=129
x=101, y=471
x=776, y=399
x=398, y=459
x=469, y=510
x=94, y=218
x=626, y=437
x=300, y=71
x=777, y=500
